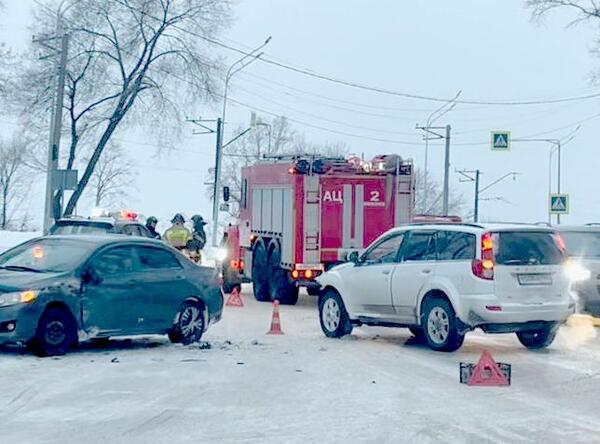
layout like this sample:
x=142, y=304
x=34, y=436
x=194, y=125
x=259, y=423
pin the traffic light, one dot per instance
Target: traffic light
x=226, y=194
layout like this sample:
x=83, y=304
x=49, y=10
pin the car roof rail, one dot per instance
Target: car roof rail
x=450, y=224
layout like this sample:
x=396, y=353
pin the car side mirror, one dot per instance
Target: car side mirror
x=353, y=257
x=90, y=276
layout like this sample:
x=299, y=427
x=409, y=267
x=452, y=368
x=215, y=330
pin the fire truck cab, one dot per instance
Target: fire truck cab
x=300, y=215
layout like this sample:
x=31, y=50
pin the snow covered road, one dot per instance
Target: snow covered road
x=376, y=386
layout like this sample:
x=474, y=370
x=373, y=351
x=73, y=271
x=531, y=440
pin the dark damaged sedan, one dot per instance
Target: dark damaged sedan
x=57, y=290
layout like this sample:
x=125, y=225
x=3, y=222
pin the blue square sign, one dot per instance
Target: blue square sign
x=559, y=204
x=500, y=140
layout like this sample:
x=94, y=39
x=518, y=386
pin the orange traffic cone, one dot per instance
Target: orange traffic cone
x=235, y=299
x=275, y=321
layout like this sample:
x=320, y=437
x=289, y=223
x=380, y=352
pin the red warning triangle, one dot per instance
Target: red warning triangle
x=487, y=373
x=235, y=299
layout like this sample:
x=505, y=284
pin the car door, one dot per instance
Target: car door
x=163, y=286
x=413, y=272
x=367, y=283
x=109, y=301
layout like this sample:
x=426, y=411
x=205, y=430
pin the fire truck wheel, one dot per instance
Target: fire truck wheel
x=282, y=287
x=260, y=276
x=333, y=316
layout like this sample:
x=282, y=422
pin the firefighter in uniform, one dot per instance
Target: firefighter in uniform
x=178, y=235
x=198, y=241
x=151, y=223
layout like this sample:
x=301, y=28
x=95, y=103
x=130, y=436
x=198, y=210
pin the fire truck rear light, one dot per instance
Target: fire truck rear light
x=295, y=274
x=292, y=170
x=308, y=274
x=241, y=267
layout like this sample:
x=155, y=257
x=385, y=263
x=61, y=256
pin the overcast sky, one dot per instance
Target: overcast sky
x=488, y=49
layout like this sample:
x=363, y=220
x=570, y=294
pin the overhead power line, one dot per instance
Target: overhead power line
x=353, y=84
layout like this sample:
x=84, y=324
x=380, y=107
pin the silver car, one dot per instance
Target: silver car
x=583, y=245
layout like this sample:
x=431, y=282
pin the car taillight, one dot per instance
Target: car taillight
x=484, y=268
x=560, y=242
x=237, y=265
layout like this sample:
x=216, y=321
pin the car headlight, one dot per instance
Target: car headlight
x=21, y=297
x=221, y=254
x=576, y=272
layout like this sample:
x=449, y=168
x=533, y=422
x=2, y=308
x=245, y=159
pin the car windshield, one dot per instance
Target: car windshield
x=44, y=255
x=527, y=248
x=582, y=243
x=81, y=229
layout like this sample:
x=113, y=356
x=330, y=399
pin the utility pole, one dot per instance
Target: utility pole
x=55, y=131
x=217, y=179
x=447, y=171
x=429, y=132
x=476, y=205
x=474, y=176
x=558, y=178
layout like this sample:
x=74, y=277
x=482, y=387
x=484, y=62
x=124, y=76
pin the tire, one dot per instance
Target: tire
x=189, y=324
x=333, y=316
x=260, y=274
x=440, y=326
x=282, y=288
x=55, y=334
x=538, y=339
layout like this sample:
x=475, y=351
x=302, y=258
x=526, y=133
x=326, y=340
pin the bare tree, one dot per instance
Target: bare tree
x=6, y=60
x=130, y=61
x=435, y=197
x=113, y=176
x=14, y=181
x=583, y=11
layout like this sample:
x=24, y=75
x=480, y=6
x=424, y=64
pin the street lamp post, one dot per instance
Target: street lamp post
x=236, y=67
x=555, y=145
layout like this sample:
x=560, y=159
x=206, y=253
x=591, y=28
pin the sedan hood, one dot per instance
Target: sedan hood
x=21, y=280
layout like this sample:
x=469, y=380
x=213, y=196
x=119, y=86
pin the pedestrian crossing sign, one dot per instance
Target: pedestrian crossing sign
x=500, y=140
x=559, y=204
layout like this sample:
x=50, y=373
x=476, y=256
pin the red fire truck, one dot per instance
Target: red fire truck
x=300, y=215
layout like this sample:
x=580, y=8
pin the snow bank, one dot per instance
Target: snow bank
x=9, y=239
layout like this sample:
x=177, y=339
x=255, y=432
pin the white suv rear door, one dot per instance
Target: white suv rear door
x=413, y=273
x=368, y=283
x=528, y=268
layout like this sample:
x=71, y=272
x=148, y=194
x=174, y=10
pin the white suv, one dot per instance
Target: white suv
x=442, y=281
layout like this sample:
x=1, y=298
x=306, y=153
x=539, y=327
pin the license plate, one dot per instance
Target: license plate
x=535, y=279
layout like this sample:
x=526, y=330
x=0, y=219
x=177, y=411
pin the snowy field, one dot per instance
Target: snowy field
x=242, y=386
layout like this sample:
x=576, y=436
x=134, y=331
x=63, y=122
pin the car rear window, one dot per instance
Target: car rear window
x=582, y=243
x=81, y=229
x=527, y=248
